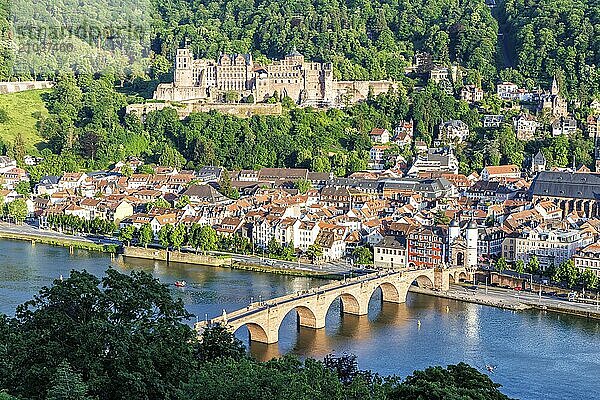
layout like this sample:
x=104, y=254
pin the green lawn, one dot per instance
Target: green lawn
x=22, y=109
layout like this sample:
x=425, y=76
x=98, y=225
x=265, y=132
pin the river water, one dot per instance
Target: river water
x=538, y=355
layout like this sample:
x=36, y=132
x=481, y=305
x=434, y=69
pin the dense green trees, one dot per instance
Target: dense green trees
x=364, y=40
x=561, y=38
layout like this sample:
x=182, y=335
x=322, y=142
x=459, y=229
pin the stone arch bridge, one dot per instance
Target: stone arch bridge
x=263, y=319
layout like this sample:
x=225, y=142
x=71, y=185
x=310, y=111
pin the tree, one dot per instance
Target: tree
x=217, y=342
x=567, y=273
x=520, y=266
x=164, y=235
x=314, y=252
x=363, y=255
x=178, y=236
x=126, y=234
x=500, y=264
x=23, y=188
x=533, y=266
x=159, y=203
x=145, y=235
x=19, y=148
x=124, y=335
x=459, y=381
x=17, y=209
x=274, y=248
x=589, y=279
x=67, y=384
x=182, y=201
x=225, y=186
x=303, y=185
x=207, y=239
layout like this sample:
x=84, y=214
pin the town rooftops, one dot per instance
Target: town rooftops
x=502, y=169
x=566, y=185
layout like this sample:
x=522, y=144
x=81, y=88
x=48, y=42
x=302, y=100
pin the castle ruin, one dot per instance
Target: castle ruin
x=232, y=78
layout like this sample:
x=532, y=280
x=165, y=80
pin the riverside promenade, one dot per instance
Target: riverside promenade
x=514, y=300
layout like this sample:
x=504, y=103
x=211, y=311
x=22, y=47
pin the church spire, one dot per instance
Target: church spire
x=554, y=90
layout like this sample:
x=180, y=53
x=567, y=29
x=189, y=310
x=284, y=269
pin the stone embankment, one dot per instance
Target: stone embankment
x=476, y=298
x=176, y=256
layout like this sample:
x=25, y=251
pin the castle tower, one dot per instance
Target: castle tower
x=554, y=90
x=183, y=68
x=472, y=236
x=453, y=231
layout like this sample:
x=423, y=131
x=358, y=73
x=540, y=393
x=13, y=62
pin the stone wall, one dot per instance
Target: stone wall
x=14, y=87
x=240, y=110
x=175, y=256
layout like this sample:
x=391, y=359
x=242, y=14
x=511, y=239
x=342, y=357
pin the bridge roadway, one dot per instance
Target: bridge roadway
x=263, y=319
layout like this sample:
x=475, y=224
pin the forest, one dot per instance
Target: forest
x=124, y=336
x=365, y=39
x=558, y=37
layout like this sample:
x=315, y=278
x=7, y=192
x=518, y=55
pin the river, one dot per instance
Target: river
x=538, y=355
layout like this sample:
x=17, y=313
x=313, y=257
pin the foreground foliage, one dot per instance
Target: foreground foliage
x=125, y=337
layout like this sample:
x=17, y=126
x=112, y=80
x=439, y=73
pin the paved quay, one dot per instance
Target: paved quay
x=514, y=300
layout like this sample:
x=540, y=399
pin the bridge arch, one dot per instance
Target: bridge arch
x=389, y=292
x=256, y=332
x=306, y=317
x=423, y=281
x=462, y=275
x=350, y=304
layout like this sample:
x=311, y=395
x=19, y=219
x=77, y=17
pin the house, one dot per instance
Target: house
x=471, y=94
x=538, y=162
x=588, y=258
x=593, y=126
x=436, y=159
x=331, y=241
x=379, y=135
x=403, y=133
x=564, y=126
x=439, y=74
x=550, y=246
x=279, y=175
x=507, y=91
x=454, y=130
x=158, y=221
x=390, y=253
x=204, y=193
x=377, y=157
x=210, y=173
x=500, y=172
x=7, y=163
x=492, y=120
x=305, y=234
x=11, y=177
x=71, y=180
x=525, y=126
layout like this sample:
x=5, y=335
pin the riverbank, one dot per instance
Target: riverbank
x=71, y=243
x=284, y=271
x=472, y=298
x=222, y=260
x=515, y=302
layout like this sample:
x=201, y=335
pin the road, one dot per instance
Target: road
x=509, y=296
x=33, y=231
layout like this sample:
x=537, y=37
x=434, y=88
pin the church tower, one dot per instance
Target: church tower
x=554, y=90
x=472, y=236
